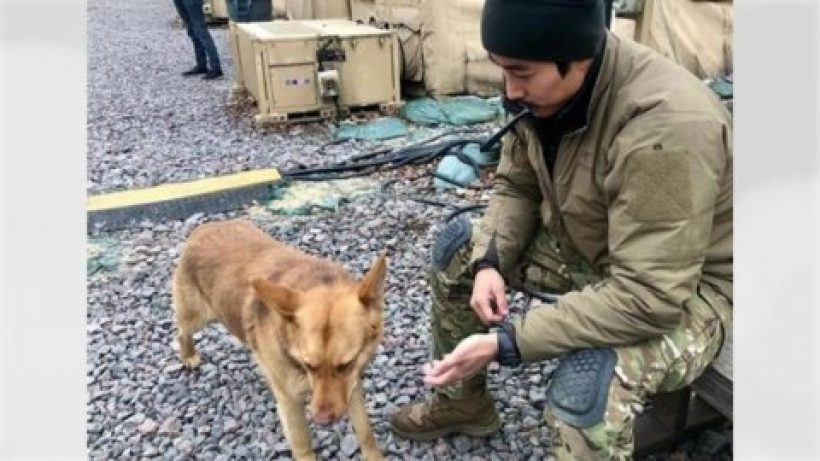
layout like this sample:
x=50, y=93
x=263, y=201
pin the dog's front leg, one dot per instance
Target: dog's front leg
x=361, y=424
x=292, y=414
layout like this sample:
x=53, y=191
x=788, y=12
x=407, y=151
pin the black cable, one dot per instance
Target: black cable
x=413, y=155
x=421, y=152
x=487, y=145
x=428, y=201
x=458, y=209
x=463, y=209
x=409, y=150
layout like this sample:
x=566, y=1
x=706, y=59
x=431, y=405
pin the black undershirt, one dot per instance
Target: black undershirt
x=571, y=117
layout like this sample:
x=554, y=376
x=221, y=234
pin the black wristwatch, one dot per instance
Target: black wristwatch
x=508, y=354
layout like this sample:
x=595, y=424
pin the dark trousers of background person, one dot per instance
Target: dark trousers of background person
x=191, y=13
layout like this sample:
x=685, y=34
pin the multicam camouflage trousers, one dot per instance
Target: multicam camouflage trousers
x=663, y=364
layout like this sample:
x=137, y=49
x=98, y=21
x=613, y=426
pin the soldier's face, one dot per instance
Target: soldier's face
x=538, y=84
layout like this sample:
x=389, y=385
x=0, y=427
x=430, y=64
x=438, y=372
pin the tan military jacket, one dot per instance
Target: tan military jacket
x=643, y=193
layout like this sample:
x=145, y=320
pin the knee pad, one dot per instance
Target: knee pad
x=579, y=388
x=455, y=234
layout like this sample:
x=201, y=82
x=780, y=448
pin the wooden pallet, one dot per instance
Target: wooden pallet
x=216, y=21
x=354, y=113
x=285, y=118
x=370, y=111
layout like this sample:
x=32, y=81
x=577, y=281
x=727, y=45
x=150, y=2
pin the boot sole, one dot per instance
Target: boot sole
x=471, y=430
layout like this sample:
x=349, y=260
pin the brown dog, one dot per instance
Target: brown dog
x=311, y=327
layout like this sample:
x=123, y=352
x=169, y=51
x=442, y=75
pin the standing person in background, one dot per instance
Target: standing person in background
x=194, y=18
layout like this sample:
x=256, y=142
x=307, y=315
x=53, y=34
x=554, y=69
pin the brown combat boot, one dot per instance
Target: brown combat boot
x=473, y=415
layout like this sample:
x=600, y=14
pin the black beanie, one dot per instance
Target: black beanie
x=543, y=30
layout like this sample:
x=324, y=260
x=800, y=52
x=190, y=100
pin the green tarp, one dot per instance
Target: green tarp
x=382, y=128
x=457, y=110
x=302, y=198
x=102, y=255
x=452, y=168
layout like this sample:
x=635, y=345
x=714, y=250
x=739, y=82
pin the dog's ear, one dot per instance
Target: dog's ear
x=371, y=288
x=276, y=297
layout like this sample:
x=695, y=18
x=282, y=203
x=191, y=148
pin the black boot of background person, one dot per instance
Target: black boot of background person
x=212, y=74
x=204, y=48
x=196, y=70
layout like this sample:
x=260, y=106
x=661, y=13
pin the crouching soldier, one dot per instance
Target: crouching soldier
x=616, y=191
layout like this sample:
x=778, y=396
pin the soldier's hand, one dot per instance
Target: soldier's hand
x=468, y=358
x=489, y=300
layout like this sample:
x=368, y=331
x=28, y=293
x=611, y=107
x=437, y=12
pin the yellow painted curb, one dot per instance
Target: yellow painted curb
x=170, y=192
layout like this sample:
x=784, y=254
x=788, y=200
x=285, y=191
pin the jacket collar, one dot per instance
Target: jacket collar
x=575, y=114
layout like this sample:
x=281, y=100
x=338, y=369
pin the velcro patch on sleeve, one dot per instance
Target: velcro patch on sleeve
x=658, y=185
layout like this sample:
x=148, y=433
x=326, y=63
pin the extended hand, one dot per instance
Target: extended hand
x=467, y=359
x=489, y=300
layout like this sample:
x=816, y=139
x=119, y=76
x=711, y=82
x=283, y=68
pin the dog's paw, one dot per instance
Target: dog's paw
x=192, y=362
x=372, y=455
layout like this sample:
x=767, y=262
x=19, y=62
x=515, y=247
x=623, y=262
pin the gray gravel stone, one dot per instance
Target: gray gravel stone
x=149, y=450
x=148, y=426
x=530, y=422
x=349, y=445
x=170, y=426
x=230, y=425
x=538, y=395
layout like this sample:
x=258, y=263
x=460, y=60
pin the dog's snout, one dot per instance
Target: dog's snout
x=324, y=418
x=325, y=415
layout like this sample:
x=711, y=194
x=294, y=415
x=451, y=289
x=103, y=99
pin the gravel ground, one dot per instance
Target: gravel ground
x=146, y=126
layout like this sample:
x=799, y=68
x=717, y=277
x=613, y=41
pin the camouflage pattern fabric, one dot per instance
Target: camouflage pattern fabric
x=663, y=364
x=543, y=269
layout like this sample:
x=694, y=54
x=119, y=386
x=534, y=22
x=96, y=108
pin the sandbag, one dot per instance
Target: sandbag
x=317, y=9
x=695, y=34
x=483, y=77
x=447, y=30
x=460, y=173
x=623, y=27
x=404, y=17
x=457, y=110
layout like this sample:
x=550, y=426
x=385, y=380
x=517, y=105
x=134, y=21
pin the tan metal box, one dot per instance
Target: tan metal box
x=370, y=71
x=296, y=69
x=216, y=9
x=278, y=68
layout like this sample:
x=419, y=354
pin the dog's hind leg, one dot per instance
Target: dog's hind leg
x=191, y=315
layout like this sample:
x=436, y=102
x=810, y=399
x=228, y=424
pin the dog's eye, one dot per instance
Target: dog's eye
x=311, y=368
x=344, y=368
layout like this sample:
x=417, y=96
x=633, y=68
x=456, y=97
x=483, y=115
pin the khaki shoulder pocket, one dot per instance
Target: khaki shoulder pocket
x=658, y=186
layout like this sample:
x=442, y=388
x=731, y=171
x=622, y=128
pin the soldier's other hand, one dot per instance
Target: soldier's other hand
x=489, y=299
x=469, y=357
